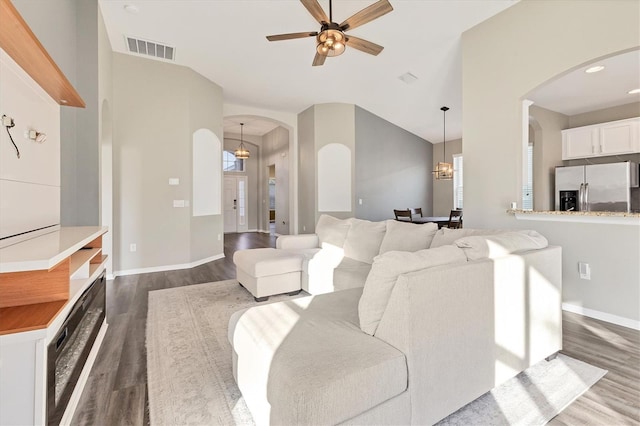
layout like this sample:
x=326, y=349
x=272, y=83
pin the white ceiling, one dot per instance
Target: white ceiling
x=577, y=92
x=224, y=40
x=252, y=125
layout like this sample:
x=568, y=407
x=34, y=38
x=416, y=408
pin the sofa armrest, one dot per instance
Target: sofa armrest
x=294, y=242
x=467, y=328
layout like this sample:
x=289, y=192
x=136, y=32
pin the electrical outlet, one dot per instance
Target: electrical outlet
x=133, y=247
x=304, y=228
x=219, y=237
x=360, y=201
x=585, y=270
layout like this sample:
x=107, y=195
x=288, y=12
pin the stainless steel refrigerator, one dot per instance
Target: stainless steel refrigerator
x=596, y=187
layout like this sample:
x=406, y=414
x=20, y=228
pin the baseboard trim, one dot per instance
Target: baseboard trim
x=167, y=267
x=603, y=316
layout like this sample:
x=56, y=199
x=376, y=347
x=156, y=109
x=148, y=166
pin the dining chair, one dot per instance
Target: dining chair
x=416, y=211
x=455, y=219
x=403, y=215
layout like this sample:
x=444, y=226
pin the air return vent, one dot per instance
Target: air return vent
x=150, y=48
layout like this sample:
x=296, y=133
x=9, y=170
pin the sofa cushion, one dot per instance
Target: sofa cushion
x=403, y=236
x=363, y=240
x=493, y=246
x=306, y=361
x=446, y=236
x=350, y=273
x=384, y=274
x=332, y=231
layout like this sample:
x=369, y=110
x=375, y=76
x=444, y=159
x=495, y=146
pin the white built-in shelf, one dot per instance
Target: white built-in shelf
x=46, y=251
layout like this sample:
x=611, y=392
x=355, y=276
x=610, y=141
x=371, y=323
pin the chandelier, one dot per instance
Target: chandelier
x=241, y=153
x=444, y=170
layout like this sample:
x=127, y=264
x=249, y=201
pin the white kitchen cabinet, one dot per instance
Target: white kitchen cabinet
x=599, y=140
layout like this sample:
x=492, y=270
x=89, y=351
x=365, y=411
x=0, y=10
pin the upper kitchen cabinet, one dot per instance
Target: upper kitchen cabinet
x=599, y=140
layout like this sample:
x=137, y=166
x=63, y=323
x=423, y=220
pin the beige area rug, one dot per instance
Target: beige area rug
x=190, y=377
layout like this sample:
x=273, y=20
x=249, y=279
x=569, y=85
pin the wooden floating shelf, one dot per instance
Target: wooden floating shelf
x=17, y=39
x=81, y=257
x=16, y=319
x=33, y=299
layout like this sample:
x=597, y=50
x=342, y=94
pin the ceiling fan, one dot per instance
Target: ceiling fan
x=332, y=39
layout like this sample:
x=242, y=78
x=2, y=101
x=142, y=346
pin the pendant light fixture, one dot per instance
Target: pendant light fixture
x=241, y=153
x=444, y=170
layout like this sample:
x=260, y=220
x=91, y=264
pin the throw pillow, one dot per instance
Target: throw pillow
x=332, y=231
x=363, y=240
x=446, y=236
x=493, y=246
x=384, y=274
x=402, y=236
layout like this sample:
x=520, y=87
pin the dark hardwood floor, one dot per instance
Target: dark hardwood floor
x=116, y=391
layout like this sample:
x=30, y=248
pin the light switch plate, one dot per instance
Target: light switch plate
x=178, y=203
x=585, y=270
x=174, y=181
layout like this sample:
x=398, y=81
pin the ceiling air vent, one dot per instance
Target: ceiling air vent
x=150, y=48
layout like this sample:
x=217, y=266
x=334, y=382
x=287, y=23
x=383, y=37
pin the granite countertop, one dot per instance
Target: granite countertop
x=560, y=213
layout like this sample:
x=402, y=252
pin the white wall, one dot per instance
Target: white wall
x=505, y=58
x=288, y=121
x=251, y=170
x=152, y=142
x=30, y=175
x=275, y=151
x=547, y=154
x=443, y=189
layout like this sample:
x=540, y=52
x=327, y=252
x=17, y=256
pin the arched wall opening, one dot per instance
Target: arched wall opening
x=275, y=147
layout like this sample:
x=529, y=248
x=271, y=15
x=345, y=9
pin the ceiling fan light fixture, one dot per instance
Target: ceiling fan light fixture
x=331, y=42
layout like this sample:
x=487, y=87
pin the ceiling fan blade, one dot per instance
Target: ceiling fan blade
x=367, y=14
x=318, y=60
x=290, y=36
x=316, y=11
x=364, y=45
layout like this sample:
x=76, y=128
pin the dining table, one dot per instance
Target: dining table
x=439, y=220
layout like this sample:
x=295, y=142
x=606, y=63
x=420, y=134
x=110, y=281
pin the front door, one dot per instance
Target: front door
x=235, y=204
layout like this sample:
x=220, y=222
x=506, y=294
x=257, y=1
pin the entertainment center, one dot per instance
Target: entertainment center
x=52, y=278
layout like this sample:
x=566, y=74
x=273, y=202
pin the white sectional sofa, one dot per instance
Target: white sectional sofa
x=340, y=254
x=430, y=331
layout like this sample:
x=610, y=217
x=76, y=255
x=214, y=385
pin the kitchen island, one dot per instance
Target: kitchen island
x=613, y=218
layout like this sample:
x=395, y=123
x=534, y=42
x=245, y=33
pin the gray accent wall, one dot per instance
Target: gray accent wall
x=306, y=171
x=392, y=168
x=152, y=142
x=553, y=41
x=68, y=29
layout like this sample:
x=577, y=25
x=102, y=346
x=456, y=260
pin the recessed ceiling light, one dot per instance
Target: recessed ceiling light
x=131, y=8
x=594, y=69
x=634, y=91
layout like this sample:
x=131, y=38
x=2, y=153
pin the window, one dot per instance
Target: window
x=457, y=181
x=230, y=163
x=527, y=188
